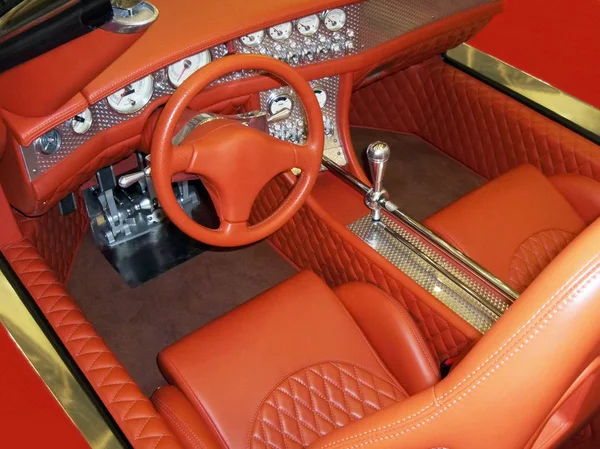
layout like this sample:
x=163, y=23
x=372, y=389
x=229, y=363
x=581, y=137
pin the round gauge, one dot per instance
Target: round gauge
x=307, y=26
x=281, y=32
x=49, y=143
x=335, y=19
x=182, y=70
x=82, y=122
x=134, y=97
x=321, y=96
x=278, y=103
x=253, y=39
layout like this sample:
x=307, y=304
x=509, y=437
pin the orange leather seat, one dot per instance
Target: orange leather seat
x=292, y=365
x=302, y=365
x=515, y=225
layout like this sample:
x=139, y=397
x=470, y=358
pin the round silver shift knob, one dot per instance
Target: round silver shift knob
x=378, y=152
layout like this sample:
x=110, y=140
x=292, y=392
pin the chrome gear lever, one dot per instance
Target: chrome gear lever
x=378, y=154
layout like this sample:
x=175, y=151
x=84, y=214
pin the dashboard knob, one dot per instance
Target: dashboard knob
x=337, y=49
x=308, y=55
x=323, y=51
x=293, y=58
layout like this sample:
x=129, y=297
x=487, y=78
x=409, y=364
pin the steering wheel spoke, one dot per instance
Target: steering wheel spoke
x=181, y=158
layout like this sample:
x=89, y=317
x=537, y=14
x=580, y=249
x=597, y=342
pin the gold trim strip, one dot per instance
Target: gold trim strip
x=47, y=362
x=564, y=105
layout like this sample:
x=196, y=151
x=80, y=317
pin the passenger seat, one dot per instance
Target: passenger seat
x=516, y=224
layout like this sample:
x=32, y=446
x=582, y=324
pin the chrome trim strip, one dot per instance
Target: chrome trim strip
x=47, y=362
x=564, y=105
x=481, y=273
x=451, y=286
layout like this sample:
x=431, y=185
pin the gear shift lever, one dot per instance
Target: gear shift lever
x=378, y=154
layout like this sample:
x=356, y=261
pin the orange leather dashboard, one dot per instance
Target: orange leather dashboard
x=184, y=28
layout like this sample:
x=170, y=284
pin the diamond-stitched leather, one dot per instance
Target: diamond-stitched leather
x=472, y=122
x=56, y=237
x=534, y=254
x=133, y=412
x=310, y=244
x=316, y=400
x=419, y=52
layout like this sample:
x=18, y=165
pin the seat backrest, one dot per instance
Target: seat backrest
x=502, y=393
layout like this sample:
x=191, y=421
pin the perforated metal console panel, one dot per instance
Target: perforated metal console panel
x=480, y=308
x=368, y=24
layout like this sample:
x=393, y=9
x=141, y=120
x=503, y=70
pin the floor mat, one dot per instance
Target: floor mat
x=138, y=323
x=420, y=179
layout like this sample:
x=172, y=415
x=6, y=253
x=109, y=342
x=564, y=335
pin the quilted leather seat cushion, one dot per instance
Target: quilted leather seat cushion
x=284, y=369
x=514, y=225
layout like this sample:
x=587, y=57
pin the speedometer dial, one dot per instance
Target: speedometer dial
x=180, y=71
x=134, y=97
x=307, y=26
x=253, y=39
x=281, y=32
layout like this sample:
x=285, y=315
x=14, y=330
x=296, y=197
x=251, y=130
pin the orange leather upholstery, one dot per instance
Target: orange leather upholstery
x=132, y=411
x=513, y=226
x=292, y=365
x=582, y=193
x=479, y=126
x=503, y=390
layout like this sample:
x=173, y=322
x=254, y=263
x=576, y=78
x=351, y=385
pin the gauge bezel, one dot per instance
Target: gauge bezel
x=174, y=83
x=38, y=143
x=257, y=43
x=275, y=96
x=308, y=17
x=88, y=122
x=146, y=99
x=336, y=28
x=287, y=36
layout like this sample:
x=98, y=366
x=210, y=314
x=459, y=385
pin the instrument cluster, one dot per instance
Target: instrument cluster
x=327, y=35
x=317, y=37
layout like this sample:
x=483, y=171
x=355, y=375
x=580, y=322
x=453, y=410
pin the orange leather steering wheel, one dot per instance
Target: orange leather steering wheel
x=233, y=160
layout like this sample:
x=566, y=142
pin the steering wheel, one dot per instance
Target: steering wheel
x=234, y=161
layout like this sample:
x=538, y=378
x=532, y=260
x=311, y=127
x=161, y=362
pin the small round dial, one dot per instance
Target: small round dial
x=134, y=97
x=307, y=26
x=82, y=122
x=335, y=19
x=253, y=39
x=182, y=70
x=49, y=143
x=278, y=103
x=321, y=96
x=281, y=32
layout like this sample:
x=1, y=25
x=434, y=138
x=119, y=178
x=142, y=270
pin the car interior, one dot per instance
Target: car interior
x=300, y=224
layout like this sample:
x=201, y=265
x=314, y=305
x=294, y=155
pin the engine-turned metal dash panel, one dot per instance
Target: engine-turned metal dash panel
x=293, y=129
x=405, y=251
x=365, y=25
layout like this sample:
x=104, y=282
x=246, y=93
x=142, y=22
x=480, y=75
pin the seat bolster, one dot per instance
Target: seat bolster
x=583, y=194
x=183, y=419
x=393, y=334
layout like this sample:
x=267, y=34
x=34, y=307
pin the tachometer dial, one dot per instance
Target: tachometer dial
x=335, y=19
x=134, y=97
x=182, y=70
x=81, y=123
x=253, y=39
x=307, y=26
x=321, y=96
x=278, y=103
x=281, y=32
